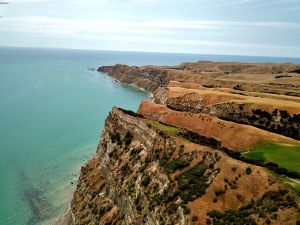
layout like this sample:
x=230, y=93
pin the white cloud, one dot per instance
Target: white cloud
x=93, y=25
x=28, y=1
x=247, y=3
x=160, y=32
x=170, y=41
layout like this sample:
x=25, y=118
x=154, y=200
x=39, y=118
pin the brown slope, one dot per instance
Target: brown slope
x=232, y=135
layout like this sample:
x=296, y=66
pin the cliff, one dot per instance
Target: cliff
x=261, y=95
x=152, y=79
x=182, y=159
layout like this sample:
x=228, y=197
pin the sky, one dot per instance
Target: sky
x=227, y=27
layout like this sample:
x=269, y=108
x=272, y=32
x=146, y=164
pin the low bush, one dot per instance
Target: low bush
x=248, y=170
x=128, y=138
x=194, y=218
x=192, y=183
x=176, y=164
x=145, y=180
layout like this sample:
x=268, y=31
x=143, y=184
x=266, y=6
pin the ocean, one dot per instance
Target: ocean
x=52, y=110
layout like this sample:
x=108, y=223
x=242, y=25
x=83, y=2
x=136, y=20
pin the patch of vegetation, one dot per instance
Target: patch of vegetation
x=220, y=192
x=186, y=210
x=131, y=113
x=269, y=165
x=177, y=163
x=291, y=182
x=199, y=139
x=230, y=217
x=104, y=144
x=288, y=124
x=115, y=138
x=131, y=184
x=238, y=87
x=287, y=157
x=194, y=218
x=128, y=138
x=115, y=153
x=248, y=170
x=146, y=180
x=266, y=207
x=192, y=183
x=135, y=152
x=163, y=127
x=125, y=168
x=138, y=204
x=164, y=159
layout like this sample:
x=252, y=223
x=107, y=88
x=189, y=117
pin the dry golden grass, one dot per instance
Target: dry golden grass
x=232, y=135
x=211, y=97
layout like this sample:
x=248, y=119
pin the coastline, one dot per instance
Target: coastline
x=151, y=95
x=135, y=128
x=68, y=218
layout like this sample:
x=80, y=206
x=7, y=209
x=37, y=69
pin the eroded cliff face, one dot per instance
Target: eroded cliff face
x=172, y=86
x=179, y=159
x=145, y=172
x=152, y=79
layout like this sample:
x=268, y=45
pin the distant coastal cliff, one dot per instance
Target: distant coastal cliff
x=196, y=154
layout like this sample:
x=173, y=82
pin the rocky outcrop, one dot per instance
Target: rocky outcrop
x=254, y=77
x=149, y=78
x=271, y=113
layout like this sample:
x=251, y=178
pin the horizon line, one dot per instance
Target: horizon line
x=157, y=52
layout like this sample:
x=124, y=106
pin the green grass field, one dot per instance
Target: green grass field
x=163, y=127
x=284, y=155
x=295, y=184
x=168, y=129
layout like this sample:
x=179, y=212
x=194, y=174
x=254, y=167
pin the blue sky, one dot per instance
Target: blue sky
x=232, y=27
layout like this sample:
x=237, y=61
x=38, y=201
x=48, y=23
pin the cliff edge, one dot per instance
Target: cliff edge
x=191, y=155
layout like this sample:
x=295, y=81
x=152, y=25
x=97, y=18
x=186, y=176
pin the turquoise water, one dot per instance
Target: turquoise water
x=52, y=110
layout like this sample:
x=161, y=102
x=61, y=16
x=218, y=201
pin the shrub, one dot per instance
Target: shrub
x=115, y=137
x=186, y=210
x=128, y=138
x=172, y=208
x=176, y=164
x=248, y=170
x=181, y=149
x=208, y=221
x=220, y=192
x=192, y=183
x=194, y=218
x=125, y=168
x=199, y=139
x=164, y=159
x=134, y=152
x=146, y=180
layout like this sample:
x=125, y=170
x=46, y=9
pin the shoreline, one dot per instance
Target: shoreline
x=151, y=96
x=68, y=218
x=125, y=130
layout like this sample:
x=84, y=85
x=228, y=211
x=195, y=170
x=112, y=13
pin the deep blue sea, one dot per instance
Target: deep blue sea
x=52, y=110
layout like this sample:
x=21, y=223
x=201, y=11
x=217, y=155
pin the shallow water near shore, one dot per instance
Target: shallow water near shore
x=52, y=110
